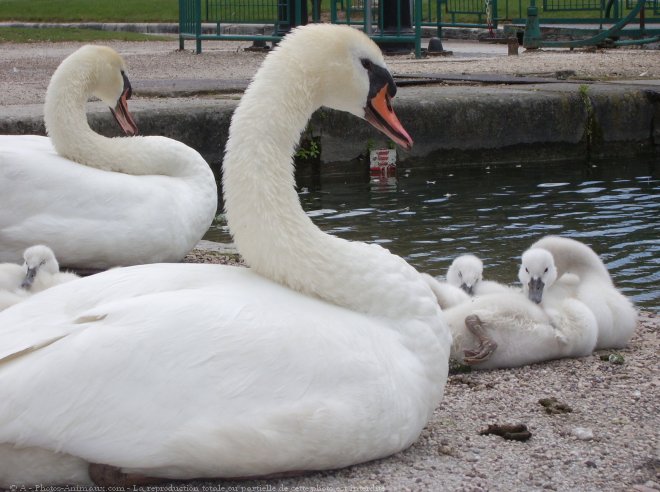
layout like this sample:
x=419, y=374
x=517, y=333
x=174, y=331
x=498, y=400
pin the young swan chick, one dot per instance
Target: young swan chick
x=546, y=284
x=466, y=272
x=41, y=270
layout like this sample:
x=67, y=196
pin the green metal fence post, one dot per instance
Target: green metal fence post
x=418, y=28
x=494, y=15
x=298, y=4
x=532, y=37
x=198, y=26
x=182, y=13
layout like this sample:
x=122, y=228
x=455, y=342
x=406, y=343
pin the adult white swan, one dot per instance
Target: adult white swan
x=324, y=354
x=559, y=267
x=97, y=201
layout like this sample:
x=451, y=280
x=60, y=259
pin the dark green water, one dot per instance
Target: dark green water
x=497, y=212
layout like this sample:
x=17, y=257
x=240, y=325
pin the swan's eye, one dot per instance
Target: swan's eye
x=526, y=270
x=546, y=270
x=460, y=274
x=366, y=63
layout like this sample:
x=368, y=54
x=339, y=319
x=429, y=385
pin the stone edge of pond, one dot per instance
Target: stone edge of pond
x=451, y=125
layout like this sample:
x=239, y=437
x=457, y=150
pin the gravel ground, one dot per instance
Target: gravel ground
x=610, y=441
x=25, y=69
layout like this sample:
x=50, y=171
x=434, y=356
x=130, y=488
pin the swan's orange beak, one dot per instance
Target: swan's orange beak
x=121, y=113
x=380, y=114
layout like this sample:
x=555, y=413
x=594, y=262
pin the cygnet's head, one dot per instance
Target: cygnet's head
x=346, y=71
x=96, y=71
x=466, y=271
x=38, y=258
x=537, y=271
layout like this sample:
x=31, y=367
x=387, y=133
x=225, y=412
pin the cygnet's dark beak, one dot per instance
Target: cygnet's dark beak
x=29, y=278
x=120, y=111
x=468, y=288
x=536, y=290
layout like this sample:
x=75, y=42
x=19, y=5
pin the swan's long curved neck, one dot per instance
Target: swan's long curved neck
x=270, y=229
x=574, y=257
x=65, y=115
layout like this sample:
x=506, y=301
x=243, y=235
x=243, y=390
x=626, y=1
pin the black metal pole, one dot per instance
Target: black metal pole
x=397, y=21
x=286, y=15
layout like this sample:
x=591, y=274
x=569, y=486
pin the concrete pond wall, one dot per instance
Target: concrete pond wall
x=451, y=125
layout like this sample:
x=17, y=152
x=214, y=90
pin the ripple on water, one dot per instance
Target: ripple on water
x=497, y=216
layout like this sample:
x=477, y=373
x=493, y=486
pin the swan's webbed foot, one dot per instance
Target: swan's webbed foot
x=486, y=345
x=112, y=476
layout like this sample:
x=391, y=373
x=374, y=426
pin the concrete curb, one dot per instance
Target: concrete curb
x=459, y=125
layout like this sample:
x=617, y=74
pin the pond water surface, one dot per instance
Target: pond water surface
x=496, y=212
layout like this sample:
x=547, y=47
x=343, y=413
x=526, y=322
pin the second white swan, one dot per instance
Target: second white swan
x=100, y=202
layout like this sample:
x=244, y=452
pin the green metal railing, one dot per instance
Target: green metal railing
x=201, y=20
x=383, y=25
x=468, y=13
x=240, y=11
x=398, y=21
x=387, y=23
x=579, y=11
x=610, y=36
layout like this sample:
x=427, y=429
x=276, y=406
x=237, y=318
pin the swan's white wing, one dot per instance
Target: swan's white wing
x=49, y=317
x=201, y=375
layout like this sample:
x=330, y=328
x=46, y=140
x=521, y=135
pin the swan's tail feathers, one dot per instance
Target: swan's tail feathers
x=32, y=465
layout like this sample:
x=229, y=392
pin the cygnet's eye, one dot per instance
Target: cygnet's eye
x=546, y=270
x=460, y=274
x=526, y=270
x=366, y=63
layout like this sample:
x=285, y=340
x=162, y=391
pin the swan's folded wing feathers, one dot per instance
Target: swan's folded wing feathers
x=221, y=370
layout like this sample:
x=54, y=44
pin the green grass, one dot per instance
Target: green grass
x=26, y=35
x=89, y=10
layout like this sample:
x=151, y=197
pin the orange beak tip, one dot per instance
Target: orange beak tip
x=380, y=114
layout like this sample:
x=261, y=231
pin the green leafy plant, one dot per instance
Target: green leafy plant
x=309, y=148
